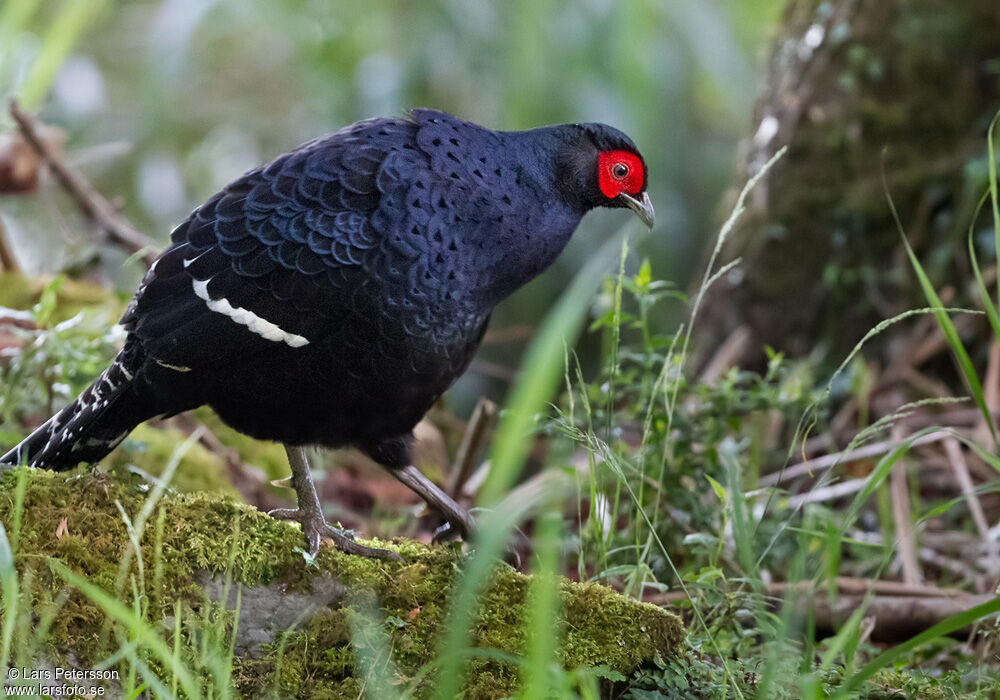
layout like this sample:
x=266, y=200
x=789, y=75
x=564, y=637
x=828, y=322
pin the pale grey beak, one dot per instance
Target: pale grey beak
x=642, y=207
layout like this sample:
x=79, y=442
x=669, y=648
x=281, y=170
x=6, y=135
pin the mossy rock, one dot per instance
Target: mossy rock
x=298, y=617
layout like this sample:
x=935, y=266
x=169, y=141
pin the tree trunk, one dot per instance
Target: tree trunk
x=853, y=84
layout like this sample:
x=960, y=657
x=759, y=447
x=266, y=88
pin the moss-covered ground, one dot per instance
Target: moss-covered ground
x=74, y=517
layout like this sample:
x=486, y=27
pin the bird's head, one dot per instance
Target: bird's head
x=599, y=166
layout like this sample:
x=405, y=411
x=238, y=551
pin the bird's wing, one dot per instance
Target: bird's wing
x=278, y=257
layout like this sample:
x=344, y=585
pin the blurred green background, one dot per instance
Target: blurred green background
x=166, y=101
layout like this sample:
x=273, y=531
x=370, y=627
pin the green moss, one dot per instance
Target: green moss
x=887, y=684
x=190, y=535
x=608, y=628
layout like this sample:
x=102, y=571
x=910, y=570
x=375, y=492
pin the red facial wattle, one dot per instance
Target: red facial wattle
x=619, y=171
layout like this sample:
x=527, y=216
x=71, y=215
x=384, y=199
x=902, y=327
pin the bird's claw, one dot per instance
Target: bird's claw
x=315, y=528
x=448, y=532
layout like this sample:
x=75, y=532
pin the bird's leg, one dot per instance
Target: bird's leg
x=460, y=523
x=309, y=513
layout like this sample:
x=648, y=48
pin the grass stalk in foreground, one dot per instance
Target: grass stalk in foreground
x=537, y=381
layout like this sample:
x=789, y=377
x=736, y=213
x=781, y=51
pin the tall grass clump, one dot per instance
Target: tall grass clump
x=195, y=660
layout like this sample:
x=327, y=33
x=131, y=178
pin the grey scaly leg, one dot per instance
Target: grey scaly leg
x=460, y=523
x=309, y=513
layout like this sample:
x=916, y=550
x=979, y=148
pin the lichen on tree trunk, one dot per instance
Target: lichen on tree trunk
x=294, y=632
x=852, y=83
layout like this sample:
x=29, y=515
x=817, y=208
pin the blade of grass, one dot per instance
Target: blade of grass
x=9, y=587
x=175, y=652
x=944, y=321
x=742, y=527
x=13, y=18
x=139, y=629
x=616, y=336
x=878, y=476
x=596, y=445
x=984, y=294
x=373, y=660
x=8, y=572
x=542, y=606
x=992, y=169
x=135, y=530
x=152, y=681
x=810, y=416
x=710, y=273
x=537, y=380
x=67, y=26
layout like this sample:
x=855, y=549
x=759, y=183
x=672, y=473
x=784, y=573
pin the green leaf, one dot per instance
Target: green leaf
x=606, y=673
x=644, y=277
x=720, y=491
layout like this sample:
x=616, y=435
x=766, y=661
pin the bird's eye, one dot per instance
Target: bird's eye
x=619, y=171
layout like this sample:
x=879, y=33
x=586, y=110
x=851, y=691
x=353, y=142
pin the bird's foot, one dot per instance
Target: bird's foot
x=315, y=528
x=466, y=530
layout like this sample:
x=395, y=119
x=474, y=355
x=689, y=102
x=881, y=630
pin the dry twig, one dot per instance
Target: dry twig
x=957, y=461
x=728, y=355
x=480, y=423
x=89, y=200
x=983, y=433
x=902, y=515
x=827, y=493
x=896, y=617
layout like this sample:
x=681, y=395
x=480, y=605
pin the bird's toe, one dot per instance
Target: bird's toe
x=315, y=529
x=286, y=514
x=344, y=541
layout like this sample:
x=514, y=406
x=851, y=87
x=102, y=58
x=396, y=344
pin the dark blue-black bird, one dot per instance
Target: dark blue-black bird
x=331, y=296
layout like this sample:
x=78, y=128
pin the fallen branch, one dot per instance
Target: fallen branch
x=895, y=617
x=897, y=610
x=849, y=585
x=728, y=355
x=89, y=200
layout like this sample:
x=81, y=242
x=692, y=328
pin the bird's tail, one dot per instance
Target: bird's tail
x=89, y=427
